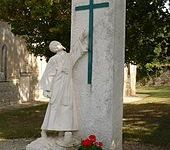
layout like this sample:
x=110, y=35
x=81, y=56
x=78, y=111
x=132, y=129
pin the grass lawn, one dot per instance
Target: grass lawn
x=21, y=123
x=148, y=121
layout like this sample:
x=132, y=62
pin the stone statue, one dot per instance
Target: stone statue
x=57, y=84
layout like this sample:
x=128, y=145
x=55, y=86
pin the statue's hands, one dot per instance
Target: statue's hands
x=65, y=70
x=47, y=94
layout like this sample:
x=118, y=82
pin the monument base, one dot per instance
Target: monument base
x=53, y=143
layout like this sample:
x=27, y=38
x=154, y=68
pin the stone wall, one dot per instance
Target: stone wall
x=162, y=80
x=18, y=67
x=16, y=52
x=9, y=93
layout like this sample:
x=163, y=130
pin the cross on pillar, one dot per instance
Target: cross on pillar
x=91, y=8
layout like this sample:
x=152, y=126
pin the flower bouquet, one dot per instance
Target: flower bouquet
x=90, y=143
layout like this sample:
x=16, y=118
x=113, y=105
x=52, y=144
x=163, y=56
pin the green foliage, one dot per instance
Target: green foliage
x=147, y=31
x=148, y=35
x=147, y=27
x=91, y=148
x=39, y=22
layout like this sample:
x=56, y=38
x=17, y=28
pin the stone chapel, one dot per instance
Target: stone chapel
x=20, y=71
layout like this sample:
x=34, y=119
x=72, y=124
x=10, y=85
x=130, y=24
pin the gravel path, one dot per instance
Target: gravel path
x=16, y=144
x=20, y=144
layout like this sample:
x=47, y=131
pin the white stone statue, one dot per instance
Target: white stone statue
x=57, y=84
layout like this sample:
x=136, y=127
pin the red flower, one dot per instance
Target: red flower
x=92, y=138
x=99, y=144
x=87, y=143
x=91, y=143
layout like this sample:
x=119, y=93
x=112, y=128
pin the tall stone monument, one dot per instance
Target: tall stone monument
x=99, y=75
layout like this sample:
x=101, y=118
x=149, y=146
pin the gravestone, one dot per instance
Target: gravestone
x=99, y=75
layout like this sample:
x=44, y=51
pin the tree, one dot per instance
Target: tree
x=147, y=26
x=39, y=22
x=148, y=36
x=147, y=31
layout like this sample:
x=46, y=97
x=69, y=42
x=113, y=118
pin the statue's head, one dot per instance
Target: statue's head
x=56, y=46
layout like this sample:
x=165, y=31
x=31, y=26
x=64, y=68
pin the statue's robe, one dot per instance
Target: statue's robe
x=62, y=110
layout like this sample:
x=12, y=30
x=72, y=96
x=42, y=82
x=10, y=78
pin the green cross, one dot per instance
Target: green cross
x=91, y=8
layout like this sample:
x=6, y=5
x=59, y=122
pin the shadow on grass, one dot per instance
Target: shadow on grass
x=157, y=92
x=164, y=94
x=22, y=123
x=147, y=123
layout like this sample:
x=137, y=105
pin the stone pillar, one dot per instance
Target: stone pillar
x=41, y=65
x=133, y=79
x=130, y=80
x=24, y=87
x=125, y=90
x=101, y=102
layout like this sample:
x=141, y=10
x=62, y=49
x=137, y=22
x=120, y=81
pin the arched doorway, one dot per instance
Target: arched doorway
x=3, y=63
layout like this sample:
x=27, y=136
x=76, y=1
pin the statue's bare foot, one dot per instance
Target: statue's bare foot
x=68, y=137
x=43, y=134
